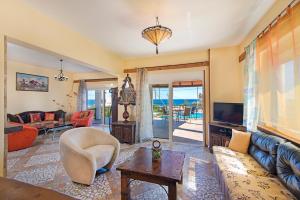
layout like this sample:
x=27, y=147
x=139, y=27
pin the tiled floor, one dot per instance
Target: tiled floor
x=187, y=131
x=40, y=165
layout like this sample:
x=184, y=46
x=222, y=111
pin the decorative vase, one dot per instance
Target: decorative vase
x=156, y=150
x=125, y=113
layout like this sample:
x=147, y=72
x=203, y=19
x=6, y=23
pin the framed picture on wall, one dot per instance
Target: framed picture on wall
x=30, y=82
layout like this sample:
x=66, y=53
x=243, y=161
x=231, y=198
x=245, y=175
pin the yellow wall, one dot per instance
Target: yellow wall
x=20, y=101
x=166, y=59
x=23, y=23
x=226, y=83
x=91, y=75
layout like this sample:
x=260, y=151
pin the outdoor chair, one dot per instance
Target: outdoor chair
x=194, y=112
x=187, y=113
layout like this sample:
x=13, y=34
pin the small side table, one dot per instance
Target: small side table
x=124, y=131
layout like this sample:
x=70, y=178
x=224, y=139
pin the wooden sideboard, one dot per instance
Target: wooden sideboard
x=124, y=131
x=220, y=134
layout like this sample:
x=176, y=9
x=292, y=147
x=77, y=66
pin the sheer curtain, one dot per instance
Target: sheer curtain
x=251, y=105
x=144, y=129
x=82, y=96
x=278, y=58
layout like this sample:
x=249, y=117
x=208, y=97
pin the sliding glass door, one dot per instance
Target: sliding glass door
x=161, y=112
x=99, y=100
x=188, y=113
x=107, y=106
x=178, y=111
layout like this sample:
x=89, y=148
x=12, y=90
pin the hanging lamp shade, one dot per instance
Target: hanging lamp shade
x=156, y=34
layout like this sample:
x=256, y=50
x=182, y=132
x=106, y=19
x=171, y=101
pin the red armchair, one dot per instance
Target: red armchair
x=22, y=139
x=79, y=121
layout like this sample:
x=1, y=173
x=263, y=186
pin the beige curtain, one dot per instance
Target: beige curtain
x=82, y=96
x=278, y=63
x=144, y=129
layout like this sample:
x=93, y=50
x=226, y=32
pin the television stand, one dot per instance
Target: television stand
x=220, y=133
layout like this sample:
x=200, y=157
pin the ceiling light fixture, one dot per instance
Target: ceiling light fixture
x=61, y=76
x=156, y=34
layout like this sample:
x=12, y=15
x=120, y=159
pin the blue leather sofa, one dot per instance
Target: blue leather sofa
x=271, y=170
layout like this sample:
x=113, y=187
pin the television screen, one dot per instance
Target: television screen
x=231, y=113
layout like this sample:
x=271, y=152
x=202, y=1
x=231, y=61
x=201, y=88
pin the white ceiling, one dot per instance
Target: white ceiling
x=196, y=24
x=30, y=56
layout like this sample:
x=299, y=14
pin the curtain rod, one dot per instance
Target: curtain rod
x=270, y=25
x=274, y=21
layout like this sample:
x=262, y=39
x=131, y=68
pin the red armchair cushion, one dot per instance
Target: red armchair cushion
x=79, y=120
x=84, y=114
x=35, y=117
x=49, y=116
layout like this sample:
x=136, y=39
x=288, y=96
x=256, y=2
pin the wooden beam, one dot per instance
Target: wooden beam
x=242, y=56
x=167, y=67
x=97, y=80
x=187, y=83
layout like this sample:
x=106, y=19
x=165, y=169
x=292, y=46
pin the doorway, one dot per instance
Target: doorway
x=161, y=114
x=188, y=112
x=100, y=101
x=178, y=111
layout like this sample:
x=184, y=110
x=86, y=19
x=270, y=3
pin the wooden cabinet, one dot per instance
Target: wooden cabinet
x=220, y=134
x=124, y=131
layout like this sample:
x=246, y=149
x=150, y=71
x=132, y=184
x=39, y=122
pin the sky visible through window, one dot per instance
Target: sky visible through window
x=91, y=94
x=91, y=97
x=178, y=93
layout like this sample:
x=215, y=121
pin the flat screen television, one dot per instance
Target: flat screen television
x=229, y=113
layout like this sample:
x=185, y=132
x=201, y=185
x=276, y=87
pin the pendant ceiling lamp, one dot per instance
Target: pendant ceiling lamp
x=61, y=76
x=156, y=34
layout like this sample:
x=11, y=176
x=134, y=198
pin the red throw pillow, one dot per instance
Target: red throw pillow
x=49, y=116
x=84, y=114
x=35, y=117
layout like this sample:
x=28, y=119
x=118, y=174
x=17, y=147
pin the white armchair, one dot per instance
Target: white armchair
x=85, y=150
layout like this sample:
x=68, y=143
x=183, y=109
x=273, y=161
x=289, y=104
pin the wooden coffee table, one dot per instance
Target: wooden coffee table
x=167, y=171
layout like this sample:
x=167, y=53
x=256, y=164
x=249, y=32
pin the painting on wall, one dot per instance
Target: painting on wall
x=30, y=82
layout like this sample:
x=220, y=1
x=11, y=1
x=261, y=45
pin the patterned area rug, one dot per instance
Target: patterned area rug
x=40, y=165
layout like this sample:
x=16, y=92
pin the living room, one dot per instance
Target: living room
x=220, y=51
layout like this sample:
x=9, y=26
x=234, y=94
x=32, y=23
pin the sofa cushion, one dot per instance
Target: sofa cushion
x=35, y=117
x=288, y=166
x=49, y=116
x=238, y=162
x=84, y=114
x=239, y=141
x=102, y=154
x=255, y=187
x=26, y=116
x=13, y=118
x=263, y=148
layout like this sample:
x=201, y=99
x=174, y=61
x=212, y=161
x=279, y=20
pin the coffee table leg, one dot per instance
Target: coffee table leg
x=125, y=188
x=172, y=192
